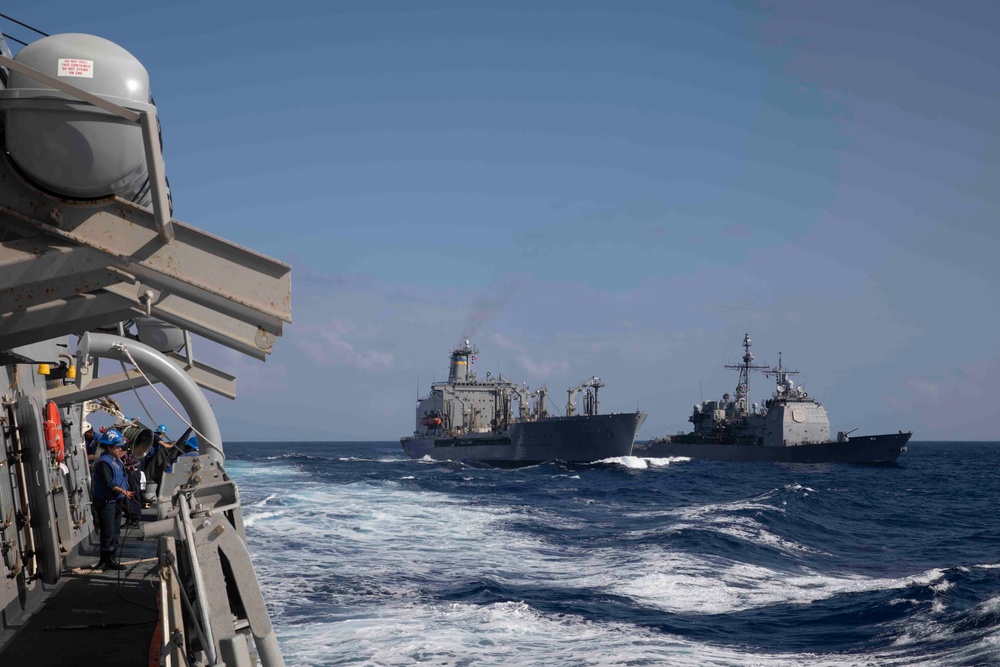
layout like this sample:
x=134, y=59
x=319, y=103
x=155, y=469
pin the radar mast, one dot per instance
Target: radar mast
x=743, y=386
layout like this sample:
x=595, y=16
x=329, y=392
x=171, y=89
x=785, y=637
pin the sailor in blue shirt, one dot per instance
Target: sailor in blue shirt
x=90, y=442
x=110, y=490
x=159, y=437
x=191, y=446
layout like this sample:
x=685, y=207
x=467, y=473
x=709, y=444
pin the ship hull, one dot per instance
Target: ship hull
x=864, y=449
x=577, y=439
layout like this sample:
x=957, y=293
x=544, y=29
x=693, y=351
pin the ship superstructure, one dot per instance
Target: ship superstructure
x=500, y=421
x=93, y=268
x=789, y=426
x=789, y=417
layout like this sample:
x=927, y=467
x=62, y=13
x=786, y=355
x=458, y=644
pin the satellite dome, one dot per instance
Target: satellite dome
x=158, y=334
x=67, y=146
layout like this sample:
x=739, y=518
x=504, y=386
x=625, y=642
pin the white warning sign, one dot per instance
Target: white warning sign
x=76, y=67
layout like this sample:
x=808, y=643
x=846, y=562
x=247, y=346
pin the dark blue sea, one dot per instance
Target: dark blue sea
x=367, y=557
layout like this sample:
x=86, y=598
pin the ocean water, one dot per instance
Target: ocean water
x=367, y=557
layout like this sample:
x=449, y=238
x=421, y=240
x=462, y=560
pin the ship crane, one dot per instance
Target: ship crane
x=523, y=394
x=590, y=408
x=540, y=409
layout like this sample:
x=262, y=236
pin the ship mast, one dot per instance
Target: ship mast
x=743, y=386
x=781, y=375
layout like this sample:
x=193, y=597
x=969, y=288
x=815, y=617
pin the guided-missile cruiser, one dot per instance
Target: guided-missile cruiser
x=790, y=426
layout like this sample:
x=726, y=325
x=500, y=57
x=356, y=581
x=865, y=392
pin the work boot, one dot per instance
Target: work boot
x=113, y=565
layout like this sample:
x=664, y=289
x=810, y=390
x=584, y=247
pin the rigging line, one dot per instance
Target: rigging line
x=124, y=348
x=43, y=34
x=13, y=39
x=136, y=392
x=121, y=550
x=124, y=624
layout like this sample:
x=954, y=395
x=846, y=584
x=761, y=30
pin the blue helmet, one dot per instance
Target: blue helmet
x=162, y=428
x=192, y=442
x=111, y=438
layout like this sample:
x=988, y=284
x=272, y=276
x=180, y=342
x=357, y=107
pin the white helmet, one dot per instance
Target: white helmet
x=87, y=427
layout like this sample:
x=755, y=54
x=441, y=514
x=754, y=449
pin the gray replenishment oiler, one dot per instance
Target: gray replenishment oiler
x=465, y=419
x=92, y=268
x=790, y=427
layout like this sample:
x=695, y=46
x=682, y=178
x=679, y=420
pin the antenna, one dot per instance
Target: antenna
x=700, y=392
x=743, y=386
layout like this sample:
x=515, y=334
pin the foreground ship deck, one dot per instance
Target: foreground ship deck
x=109, y=617
x=92, y=268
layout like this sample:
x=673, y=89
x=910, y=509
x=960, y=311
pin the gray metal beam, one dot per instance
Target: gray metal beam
x=215, y=326
x=115, y=303
x=34, y=271
x=205, y=376
x=62, y=317
x=197, y=265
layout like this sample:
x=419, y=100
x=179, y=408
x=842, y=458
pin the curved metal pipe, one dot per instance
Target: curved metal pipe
x=177, y=381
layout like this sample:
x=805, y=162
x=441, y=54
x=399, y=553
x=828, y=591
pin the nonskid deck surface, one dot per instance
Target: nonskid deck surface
x=92, y=616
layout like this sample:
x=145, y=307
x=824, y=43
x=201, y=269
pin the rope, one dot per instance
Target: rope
x=14, y=39
x=135, y=391
x=25, y=25
x=123, y=348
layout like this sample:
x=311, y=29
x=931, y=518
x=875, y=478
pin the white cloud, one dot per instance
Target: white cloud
x=542, y=370
x=925, y=390
x=254, y=377
x=330, y=345
x=951, y=406
x=505, y=343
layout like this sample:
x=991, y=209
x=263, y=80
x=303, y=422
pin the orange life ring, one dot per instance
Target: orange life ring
x=54, y=432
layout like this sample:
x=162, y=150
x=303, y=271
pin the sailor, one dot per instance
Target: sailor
x=191, y=446
x=89, y=442
x=110, y=490
x=162, y=459
x=132, y=506
x=159, y=437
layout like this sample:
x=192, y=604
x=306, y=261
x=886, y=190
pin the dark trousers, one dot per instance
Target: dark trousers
x=133, y=505
x=108, y=514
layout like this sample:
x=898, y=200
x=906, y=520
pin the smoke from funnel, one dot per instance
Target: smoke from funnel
x=488, y=305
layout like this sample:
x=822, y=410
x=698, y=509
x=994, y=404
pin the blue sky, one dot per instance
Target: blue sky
x=611, y=189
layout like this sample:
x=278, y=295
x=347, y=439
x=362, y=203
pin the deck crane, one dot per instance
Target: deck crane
x=590, y=404
x=540, y=409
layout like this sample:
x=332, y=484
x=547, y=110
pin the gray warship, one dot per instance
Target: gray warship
x=789, y=427
x=466, y=419
x=94, y=269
